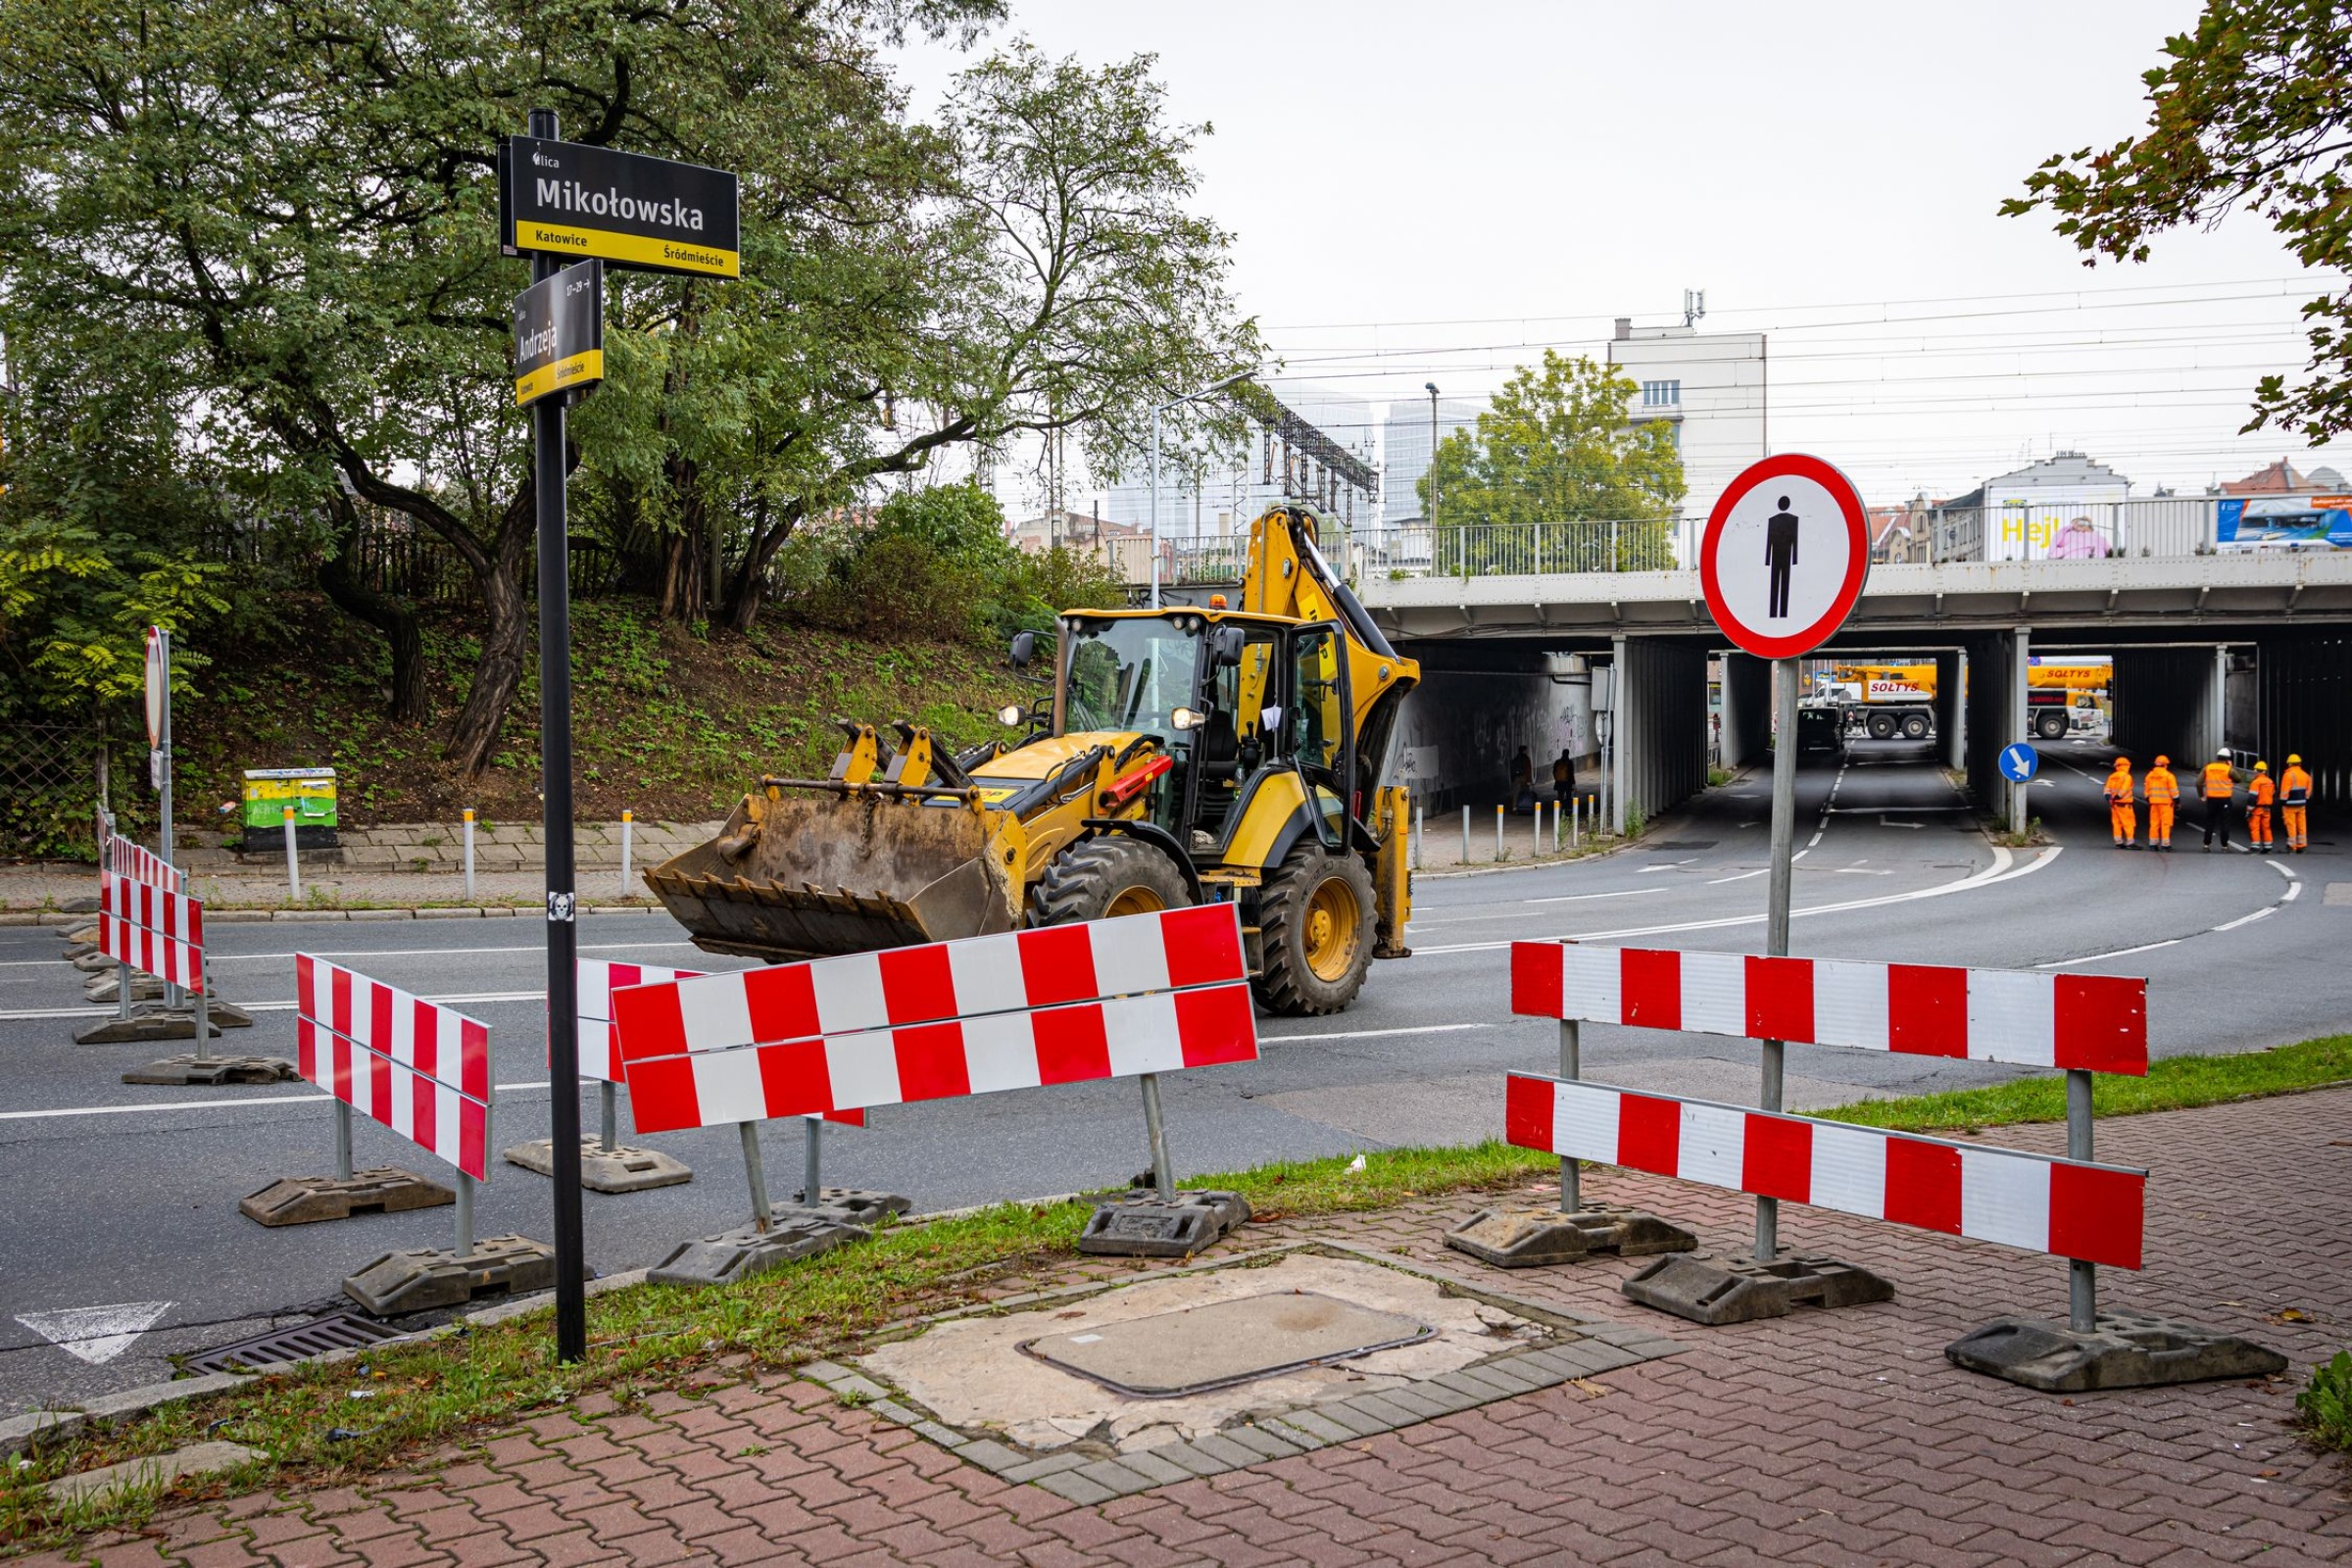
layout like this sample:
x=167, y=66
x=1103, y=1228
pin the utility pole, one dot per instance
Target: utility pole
x=1432, y=388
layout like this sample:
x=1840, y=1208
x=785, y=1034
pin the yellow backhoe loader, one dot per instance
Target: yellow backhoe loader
x=1188, y=756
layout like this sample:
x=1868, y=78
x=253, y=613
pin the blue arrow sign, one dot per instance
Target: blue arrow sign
x=2020, y=762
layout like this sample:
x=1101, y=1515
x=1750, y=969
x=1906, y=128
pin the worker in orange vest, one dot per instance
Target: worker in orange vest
x=2258, y=810
x=2121, y=815
x=2161, y=790
x=2219, y=787
x=2294, y=798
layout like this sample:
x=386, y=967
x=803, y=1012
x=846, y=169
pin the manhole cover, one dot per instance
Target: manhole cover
x=1224, y=1343
x=1682, y=843
x=339, y=1331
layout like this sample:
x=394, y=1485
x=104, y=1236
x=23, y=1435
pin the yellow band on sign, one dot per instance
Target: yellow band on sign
x=675, y=254
x=586, y=367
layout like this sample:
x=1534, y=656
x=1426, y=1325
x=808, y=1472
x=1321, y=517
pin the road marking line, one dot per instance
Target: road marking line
x=2095, y=957
x=2264, y=913
x=2282, y=870
x=96, y=1334
x=1374, y=1034
x=431, y=952
x=1576, y=897
x=26, y=1015
x=167, y=1105
x=2292, y=888
x=1742, y=877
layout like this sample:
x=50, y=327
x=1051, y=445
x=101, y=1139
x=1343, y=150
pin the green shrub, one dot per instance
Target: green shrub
x=2325, y=1402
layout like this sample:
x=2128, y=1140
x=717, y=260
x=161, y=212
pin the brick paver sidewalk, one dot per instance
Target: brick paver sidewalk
x=1829, y=1439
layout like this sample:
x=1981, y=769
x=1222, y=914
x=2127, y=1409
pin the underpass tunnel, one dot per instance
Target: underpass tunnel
x=2301, y=685
x=1746, y=710
x=2172, y=701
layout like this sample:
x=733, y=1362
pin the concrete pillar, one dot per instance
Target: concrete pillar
x=2217, y=707
x=1623, y=704
x=1951, y=680
x=1746, y=709
x=2019, y=718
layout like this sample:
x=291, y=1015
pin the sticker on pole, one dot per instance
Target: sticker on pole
x=2020, y=762
x=159, y=677
x=1784, y=555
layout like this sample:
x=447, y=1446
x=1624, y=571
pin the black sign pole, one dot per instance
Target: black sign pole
x=555, y=767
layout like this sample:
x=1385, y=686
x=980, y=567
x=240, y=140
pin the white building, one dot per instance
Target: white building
x=2017, y=516
x=1711, y=388
x=1407, y=450
x=1230, y=497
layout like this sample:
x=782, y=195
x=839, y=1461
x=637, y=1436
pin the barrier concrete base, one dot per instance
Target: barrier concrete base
x=1141, y=1225
x=622, y=1168
x=89, y=960
x=851, y=1206
x=104, y=987
x=731, y=1256
x=424, y=1278
x=310, y=1200
x=148, y=1026
x=87, y=903
x=204, y=1072
x=2127, y=1350
x=1715, y=1292
x=1523, y=1235
x=82, y=936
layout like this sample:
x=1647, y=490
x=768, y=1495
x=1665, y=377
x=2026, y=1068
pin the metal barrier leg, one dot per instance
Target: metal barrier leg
x=342, y=1142
x=465, y=1215
x=756, y=1173
x=1572, y=1198
x=813, y=1155
x=121, y=989
x=610, y=1109
x=204, y=1026
x=1420, y=833
x=2082, y=1278
x=1156, y=1129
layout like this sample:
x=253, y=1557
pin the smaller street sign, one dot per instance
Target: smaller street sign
x=2020, y=762
x=1783, y=560
x=159, y=678
x=560, y=333
x=570, y=199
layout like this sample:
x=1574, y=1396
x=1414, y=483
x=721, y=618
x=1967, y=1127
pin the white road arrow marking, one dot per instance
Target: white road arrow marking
x=96, y=1334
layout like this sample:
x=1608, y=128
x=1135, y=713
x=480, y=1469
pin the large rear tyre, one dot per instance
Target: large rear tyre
x=1100, y=878
x=1914, y=727
x=2050, y=727
x=1315, y=928
x=1882, y=726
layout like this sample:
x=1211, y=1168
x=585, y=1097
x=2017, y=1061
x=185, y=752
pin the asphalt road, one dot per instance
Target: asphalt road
x=122, y=1196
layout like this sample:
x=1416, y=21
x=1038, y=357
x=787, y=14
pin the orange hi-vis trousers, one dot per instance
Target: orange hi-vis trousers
x=2125, y=820
x=2160, y=821
x=2298, y=827
x=2258, y=826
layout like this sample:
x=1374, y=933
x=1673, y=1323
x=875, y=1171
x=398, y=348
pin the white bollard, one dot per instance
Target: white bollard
x=293, y=867
x=470, y=853
x=1535, y=843
x=1420, y=833
x=1465, y=835
x=1576, y=820
x=1498, y=850
x=628, y=822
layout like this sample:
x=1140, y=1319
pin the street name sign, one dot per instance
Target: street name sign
x=1784, y=555
x=566, y=199
x=560, y=333
x=2020, y=762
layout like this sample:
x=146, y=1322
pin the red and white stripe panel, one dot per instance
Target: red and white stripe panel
x=418, y=1069
x=599, y=1053
x=1108, y=999
x=152, y=929
x=2097, y=1022
x=2070, y=1207
x=126, y=859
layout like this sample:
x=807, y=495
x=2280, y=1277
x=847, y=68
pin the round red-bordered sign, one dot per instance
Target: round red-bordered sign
x=1783, y=563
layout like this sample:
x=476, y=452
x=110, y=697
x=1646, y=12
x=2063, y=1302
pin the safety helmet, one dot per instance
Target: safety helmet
x=2295, y=759
x=2122, y=761
x=2223, y=753
x=2262, y=767
x=2164, y=762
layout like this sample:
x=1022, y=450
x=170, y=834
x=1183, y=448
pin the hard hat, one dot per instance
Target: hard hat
x=2164, y=762
x=2122, y=761
x=2293, y=759
x=2223, y=753
x=2262, y=767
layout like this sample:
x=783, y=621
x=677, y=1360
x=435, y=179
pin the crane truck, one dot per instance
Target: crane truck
x=1889, y=701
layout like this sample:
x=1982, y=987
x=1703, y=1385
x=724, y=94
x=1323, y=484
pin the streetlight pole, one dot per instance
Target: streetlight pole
x=1157, y=410
x=1432, y=388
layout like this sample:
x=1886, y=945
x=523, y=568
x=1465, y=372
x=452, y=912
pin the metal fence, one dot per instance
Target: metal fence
x=402, y=562
x=2056, y=531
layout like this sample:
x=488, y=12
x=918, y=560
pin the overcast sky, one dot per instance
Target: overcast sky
x=1433, y=192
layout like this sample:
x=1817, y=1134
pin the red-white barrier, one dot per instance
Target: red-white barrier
x=2097, y=1023
x=415, y=1067
x=152, y=929
x=122, y=858
x=600, y=1055
x=2072, y=1208
x=1109, y=998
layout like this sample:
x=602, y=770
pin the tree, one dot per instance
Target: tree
x=1555, y=446
x=2250, y=111
x=292, y=204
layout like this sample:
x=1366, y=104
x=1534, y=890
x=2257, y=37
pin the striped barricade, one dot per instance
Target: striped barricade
x=2073, y=1207
x=1133, y=996
x=124, y=858
x=149, y=925
x=424, y=1071
x=152, y=928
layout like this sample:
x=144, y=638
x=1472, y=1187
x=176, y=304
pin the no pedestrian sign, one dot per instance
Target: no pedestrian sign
x=560, y=333
x=1784, y=555
x=651, y=214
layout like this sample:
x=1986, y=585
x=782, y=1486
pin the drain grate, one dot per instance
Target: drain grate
x=337, y=1330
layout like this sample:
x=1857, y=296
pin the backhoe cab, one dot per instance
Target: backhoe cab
x=1188, y=756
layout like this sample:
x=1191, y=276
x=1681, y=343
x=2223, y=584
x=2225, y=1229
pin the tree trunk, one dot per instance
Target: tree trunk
x=747, y=588
x=392, y=615
x=506, y=640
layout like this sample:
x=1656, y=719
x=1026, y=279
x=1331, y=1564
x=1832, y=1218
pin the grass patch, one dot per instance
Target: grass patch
x=2325, y=1406
x=2172, y=1083
x=654, y=1338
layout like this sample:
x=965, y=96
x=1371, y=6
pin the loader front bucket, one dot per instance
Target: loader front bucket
x=812, y=876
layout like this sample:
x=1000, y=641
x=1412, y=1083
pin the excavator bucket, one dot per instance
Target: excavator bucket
x=810, y=877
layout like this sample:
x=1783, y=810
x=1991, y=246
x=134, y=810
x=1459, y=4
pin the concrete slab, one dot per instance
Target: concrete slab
x=156, y=1471
x=1197, y=1348
x=970, y=1375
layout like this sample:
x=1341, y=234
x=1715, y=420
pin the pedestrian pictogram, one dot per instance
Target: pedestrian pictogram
x=2020, y=762
x=1784, y=555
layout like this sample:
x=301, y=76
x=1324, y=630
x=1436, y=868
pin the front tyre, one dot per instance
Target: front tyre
x=1315, y=923
x=1103, y=878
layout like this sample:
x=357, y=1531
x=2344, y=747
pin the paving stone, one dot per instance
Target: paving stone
x=1380, y=1407
x=1147, y=1463
x=1076, y=1487
x=1217, y=1446
x=1115, y=1477
x=1315, y=1424
x=1191, y=1457
x=1360, y=1422
x=1265, y=1445
x=1052, y=1464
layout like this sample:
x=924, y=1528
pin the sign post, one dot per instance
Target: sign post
x=562, y=201
x=1781, y=562
x=159, y=769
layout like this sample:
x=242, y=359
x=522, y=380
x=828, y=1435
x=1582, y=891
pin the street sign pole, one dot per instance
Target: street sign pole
x=555, y=767
x=159, y=703
x=1776, y=916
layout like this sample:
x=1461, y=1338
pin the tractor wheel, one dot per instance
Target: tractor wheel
x=1314, y=916
x=1098, y=878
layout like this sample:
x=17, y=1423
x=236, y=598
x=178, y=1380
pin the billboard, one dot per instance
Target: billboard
x=2284, y=522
